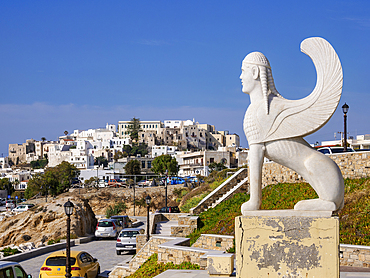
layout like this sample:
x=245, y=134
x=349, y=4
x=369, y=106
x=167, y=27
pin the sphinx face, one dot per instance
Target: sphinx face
x=248, y=77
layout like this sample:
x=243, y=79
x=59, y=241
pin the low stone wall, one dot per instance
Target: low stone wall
x=169, y=249
x=354, y=255
x=186, y=223
x=352, y=165
x=214, y=242
x=140, y=241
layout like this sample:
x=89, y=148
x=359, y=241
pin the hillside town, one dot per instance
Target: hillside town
x=195, y=146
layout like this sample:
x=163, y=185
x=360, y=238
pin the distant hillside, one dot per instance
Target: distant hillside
x=354, y=218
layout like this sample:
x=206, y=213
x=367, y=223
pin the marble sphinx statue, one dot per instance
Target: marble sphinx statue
x=275, y=126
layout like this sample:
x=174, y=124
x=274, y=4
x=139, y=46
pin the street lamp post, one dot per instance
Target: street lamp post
x=147, y=200
x=134, y=193
x=345, y=109
x=165, y=184
x=68, y=208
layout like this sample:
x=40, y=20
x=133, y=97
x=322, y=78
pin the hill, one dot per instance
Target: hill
x=354, y=219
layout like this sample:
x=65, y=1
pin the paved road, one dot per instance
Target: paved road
x=103, y=250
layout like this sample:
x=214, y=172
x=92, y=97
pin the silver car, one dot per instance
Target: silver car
x=12, y=270
x=126, y=241
x=107, y=228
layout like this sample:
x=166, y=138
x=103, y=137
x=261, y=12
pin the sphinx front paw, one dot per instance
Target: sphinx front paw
x=250, y=205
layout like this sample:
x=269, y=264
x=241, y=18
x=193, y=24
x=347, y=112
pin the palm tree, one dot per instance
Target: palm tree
x=43, y=139
x=65, y=132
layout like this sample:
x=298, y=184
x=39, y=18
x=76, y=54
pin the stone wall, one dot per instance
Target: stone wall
x=352, y=165
x=354, y=255
x=186, y=223
x=214, y=242
x=169, y=249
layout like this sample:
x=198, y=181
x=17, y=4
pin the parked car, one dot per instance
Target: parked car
x=107, y=228
x=333, y=150
x=3, y=201
x=174, y=209
x=82, y=265
x=123, y=220
x=10, y=204
x=116, y=182
x=23, y=207
x=12, y=270
x=126, y=241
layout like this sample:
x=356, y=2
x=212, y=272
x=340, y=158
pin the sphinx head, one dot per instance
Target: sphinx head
x=256, y=68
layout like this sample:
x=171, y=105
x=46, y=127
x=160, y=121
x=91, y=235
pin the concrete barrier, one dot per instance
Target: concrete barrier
x=45, y=249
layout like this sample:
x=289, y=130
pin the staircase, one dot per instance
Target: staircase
x=234, y=184
x=164, y=227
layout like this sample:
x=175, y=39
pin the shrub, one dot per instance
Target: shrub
x=354, y=227
x=116, y=209
x=10, y=251
x=152, y=268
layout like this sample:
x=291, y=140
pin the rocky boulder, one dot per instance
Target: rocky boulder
x=47, y=221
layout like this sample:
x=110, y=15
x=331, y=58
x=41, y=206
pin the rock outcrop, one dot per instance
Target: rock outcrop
x=47, y=221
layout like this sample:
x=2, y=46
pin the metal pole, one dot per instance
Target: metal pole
x=147, y=223
x=97, y=175
x=165, y=184
x=134, y=193
x=68, y=249
x=345, y=132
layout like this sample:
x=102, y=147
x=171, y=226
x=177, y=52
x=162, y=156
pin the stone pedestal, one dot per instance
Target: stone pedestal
x=287, y=244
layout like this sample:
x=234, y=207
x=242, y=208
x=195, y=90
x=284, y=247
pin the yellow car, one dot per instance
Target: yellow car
x=82, y=265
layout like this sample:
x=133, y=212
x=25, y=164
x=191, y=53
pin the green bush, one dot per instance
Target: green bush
x=193, y=202
x=152, y=268
x=116, y=209
x=10, y=251
x=354, y=221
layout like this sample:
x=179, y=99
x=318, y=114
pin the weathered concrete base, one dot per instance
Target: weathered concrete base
x=220, y=265
x=287, y=244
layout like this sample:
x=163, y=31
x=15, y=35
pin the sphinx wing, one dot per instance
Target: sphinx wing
x=299, y=118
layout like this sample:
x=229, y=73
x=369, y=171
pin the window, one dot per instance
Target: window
x=211, y=160
x=149, y=164
x=143, y=164
x=19, y=272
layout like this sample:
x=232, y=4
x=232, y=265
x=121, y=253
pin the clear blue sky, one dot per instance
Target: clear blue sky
x=68, y=65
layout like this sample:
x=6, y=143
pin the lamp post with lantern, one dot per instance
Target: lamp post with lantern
x=345, y=109
x=147, y=200
x=165, y=184
x=68, y=209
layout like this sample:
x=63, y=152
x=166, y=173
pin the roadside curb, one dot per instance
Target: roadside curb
x=45, y=249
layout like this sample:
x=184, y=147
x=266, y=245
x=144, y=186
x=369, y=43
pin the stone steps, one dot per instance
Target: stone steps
x=164, y=227
x=223, y=192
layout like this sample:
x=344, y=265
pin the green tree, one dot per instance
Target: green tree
x=101, y=160
x=43, y=139
x=133, y=167
x=5, y=184
x=54, y=181
x=39, y=164
x=134, y=150
x=118, y=155
x=165, y=162
x=66, y=172
x=133, y=129
x=214, y=166
x=33, y=186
